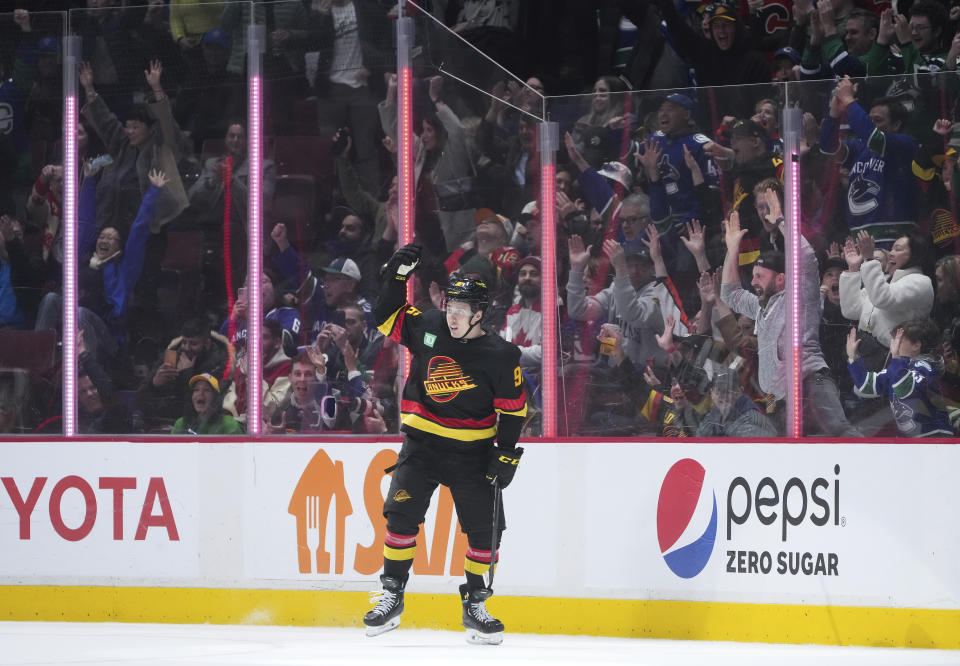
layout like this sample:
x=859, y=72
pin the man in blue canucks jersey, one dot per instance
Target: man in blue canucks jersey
x=881, y=194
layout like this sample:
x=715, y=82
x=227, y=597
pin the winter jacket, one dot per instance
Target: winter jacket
x=879, y=306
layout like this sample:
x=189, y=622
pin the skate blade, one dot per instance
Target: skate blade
x=384, y=628
x=475, y=637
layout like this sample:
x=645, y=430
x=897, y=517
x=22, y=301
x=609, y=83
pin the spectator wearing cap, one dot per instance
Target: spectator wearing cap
x=679, y=193
x=723, y=58
x=523, y=325
x=629, y=302
x=338, y=285
x=881, y=196
x=767, y=307
x=785, y=63
x=490, y=240
x=203, y=414
x=354, y=241
x=831, y=52
x=149, y=139
x=527, y=236
x=197, y=350
x=733, y=413
x=749, y=160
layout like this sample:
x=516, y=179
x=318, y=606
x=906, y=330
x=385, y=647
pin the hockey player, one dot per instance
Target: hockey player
x=460, y=379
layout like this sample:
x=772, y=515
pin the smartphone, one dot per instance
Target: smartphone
x=242, y=294
x=339, y=318
x=170, y=358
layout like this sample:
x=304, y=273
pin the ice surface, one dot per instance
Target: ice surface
x=116, y=644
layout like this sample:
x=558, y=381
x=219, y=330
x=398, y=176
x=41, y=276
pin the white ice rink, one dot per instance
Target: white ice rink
x=108, y=644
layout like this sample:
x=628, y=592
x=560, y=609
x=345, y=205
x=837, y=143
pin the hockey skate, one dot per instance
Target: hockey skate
x=482, y=628
x=386, y=614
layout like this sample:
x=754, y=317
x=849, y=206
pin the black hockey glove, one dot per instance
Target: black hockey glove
x=402, y=264
x=503, y=465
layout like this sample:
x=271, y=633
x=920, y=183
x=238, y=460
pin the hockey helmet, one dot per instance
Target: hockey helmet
x=468, y=290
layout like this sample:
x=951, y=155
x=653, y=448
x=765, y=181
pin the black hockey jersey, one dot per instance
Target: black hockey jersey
x=455, y=389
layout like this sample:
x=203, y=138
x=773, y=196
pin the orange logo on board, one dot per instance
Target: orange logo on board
x=445, y=379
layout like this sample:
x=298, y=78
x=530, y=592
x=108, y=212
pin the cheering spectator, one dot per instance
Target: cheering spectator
x=835, y=52
x=592, y=131
x=881, y=196
x=197, y=350
x=629, y=302
x=878, y=305
x=910, y=382
x=722, y=58
x=203, y=414
x=767, y=307
x=149, y=140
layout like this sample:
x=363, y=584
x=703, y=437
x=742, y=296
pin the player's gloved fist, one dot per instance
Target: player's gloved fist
x=402, y=264
x=503, y=465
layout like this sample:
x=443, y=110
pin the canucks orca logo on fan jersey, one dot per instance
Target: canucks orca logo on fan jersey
x=862, y=197
x=445, y=379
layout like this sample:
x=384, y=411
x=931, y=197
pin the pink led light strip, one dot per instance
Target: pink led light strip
x=256, y=40
x=549, y=135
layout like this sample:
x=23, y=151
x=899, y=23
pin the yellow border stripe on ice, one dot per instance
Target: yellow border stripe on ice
x=769, y=623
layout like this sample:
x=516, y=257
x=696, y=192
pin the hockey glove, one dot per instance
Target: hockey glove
x=402, y=264
x=503, y=465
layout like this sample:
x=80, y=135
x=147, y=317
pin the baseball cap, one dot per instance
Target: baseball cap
x=217, y=36
x=532, y=209
x=343, y=266
x=484, y=214
x=640, y=253
x=205, y=377
x=682, y=100
x=720, y=10
x=618, y=172
x=788, y=52
x=749, y=128
x=772, y=259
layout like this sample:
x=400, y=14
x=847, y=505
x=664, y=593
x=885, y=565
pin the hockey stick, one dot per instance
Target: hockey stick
x=496, y=526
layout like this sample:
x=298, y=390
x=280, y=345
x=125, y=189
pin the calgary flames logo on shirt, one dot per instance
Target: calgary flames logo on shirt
x=445, y=379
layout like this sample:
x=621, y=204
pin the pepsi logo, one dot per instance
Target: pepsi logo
x=686, y=519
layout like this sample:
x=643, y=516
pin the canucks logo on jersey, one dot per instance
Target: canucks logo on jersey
x=445, y=379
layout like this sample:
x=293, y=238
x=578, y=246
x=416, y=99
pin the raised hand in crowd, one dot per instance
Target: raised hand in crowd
x=573, y=153
x=153, y=75
x=816, y=30
x=695, y=242
x=650, y=159
x=828, y=18
x=158, y=178
x=696, y=173
x=950, y=63
x=22, y=18
x=391, y=79
x=566, y=206
x=943, y=126
x=436, y=295
x=613, y=251
x=803, y=10
x=339, y=334
x=887, y=32
x=866, y=244
x=280, y=237
x=579, y=255
x=85, y=78
x=852, y=344
x=833, y=250
x=435, y=89
x=652, y=241
x=851, y=255
x=665, y=341
x=843, y=96
x=902, y=25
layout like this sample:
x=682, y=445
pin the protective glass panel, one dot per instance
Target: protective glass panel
x=660, y=336
x=31, y=233
x=162, y=214
x=877, y=183
x=330, y=218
